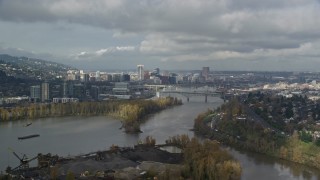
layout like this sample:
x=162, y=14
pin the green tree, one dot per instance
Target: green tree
x=305, y=136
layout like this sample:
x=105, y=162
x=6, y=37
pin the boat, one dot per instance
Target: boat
x=28, y=124
x=28, y=137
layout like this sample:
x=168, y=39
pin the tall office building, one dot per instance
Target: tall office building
x=126, y=77
x=156, y=71
x=79, y=91
x=205, y=72
x=35, y=93
x=84, y=77
x=94, y=92
x=65, y=89
x=98, y=76
x=146, y=75
x=44, y=91
x=140, y=72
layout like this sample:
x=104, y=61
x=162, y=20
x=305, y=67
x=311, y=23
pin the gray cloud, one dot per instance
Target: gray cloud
x=110, y=51
x=16, y=51
x=190, y=31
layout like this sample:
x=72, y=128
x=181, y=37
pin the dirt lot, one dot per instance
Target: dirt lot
x=123, y=163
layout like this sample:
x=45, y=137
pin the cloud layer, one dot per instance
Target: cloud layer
x=191, y=31
x=103, y=52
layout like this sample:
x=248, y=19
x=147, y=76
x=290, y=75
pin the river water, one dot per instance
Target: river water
x=77, y=135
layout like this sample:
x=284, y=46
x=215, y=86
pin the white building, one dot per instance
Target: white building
x=44, y=91
x=140, y=72
x=65, y=100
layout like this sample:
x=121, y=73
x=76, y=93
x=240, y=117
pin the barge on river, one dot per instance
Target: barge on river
x=28, y=137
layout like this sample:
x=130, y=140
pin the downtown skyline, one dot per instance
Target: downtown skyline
x=277, y=35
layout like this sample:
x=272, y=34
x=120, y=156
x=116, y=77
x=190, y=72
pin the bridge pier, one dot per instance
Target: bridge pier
x=188, y=99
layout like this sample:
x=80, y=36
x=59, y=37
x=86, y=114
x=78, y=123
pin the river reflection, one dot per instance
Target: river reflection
x=75, y=135
x=266, y=168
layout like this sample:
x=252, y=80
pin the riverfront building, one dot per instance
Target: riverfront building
x=65, y=100
x=121, y=88
x=35, y=93
x=45, y=92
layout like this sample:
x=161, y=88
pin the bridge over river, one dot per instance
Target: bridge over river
x=188, y=93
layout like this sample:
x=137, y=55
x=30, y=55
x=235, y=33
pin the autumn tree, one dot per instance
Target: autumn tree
x=208, y=161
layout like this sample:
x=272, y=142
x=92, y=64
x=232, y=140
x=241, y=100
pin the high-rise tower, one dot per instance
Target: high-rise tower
x=35, y=93
x=140, y=72
x=205, y=72
x=44, y=91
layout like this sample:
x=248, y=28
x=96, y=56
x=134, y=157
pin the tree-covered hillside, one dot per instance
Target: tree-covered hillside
x=30, y=68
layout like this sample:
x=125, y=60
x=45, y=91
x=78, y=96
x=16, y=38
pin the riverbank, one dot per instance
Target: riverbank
x=203, y=160
x=78, y=135
x=131, y=112
x=115, y=163
x=242, y=131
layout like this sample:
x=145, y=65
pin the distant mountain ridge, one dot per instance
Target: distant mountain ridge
x=32, y=68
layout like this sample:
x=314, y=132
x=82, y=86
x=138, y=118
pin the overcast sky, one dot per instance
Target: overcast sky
x=268, y=35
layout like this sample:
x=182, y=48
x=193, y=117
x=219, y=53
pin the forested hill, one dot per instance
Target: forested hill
x=30, y=68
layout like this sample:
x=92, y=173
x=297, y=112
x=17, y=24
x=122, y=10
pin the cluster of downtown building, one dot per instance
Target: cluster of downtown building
x=142, y=75
x=79, y=85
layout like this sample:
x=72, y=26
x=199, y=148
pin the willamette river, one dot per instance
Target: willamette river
x=76, y=135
